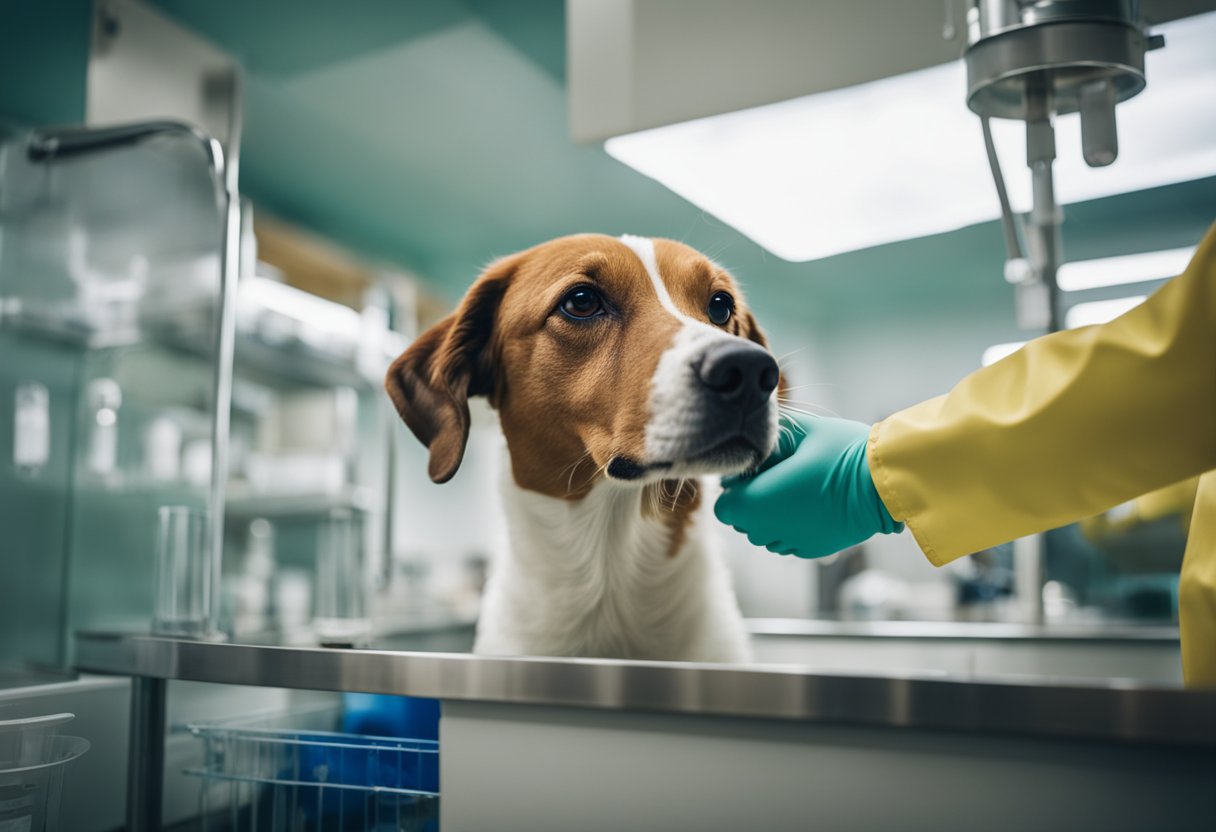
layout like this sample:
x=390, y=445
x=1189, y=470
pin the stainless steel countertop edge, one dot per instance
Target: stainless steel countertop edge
x=964, y=631
x=1119, y=711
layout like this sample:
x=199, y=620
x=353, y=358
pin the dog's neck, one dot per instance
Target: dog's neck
x=607, y=574
x=642, y=522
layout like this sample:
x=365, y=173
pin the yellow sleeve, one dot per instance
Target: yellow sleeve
x=1197, y=590
x=1176, y=500
x=1068, y=426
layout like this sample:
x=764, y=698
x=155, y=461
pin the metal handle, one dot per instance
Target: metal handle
x=66, y=142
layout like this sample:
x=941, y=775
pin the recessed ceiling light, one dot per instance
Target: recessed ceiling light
x=903, y=157
x=1100, y=311
x=998, y=351
x=1117, y=271
x=1082, y=314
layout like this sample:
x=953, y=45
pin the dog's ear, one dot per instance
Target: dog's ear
x=430, y=383
x=750, y=330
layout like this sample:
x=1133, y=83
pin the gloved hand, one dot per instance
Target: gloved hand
x=814, y=496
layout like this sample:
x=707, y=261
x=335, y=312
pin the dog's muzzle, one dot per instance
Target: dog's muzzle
x=712, y=408
x=735, y=381
x=738, y=377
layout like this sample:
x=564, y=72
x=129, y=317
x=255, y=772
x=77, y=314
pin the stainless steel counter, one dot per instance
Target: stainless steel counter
x=1118, y=710
x=969, y=705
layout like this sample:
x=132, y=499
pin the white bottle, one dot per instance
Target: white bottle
x=104, y=397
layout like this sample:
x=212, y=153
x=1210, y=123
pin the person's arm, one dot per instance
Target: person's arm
x=1068, y=426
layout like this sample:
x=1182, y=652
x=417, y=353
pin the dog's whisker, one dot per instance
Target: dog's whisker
x=573, y=466
x=786, y=409
x=797, y=406
x=809, y=384
x=578, y=459
x=791, y=353
x=602, y=469
x=788, y=400
x=796, y=431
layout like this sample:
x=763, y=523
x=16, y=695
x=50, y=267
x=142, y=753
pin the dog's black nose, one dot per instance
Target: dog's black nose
x=739, y=370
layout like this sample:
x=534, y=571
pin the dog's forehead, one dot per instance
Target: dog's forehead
x=596, y=254
x=610, y=259
x=682, y=262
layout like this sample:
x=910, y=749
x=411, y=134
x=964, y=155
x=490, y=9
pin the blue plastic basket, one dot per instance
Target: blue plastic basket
x=271, y=779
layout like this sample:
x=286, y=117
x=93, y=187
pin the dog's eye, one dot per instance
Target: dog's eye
x=582, y=302
x=721, y=307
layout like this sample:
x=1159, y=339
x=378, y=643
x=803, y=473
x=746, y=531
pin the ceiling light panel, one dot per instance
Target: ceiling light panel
x=903, y=157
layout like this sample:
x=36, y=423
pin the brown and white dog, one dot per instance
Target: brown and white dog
x=621, y=369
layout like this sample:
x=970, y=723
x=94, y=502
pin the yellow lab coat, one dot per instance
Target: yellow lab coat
x=1066, y=427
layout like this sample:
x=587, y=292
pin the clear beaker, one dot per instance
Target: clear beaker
x=182, y=573
x=33, y=759
x=340, y=582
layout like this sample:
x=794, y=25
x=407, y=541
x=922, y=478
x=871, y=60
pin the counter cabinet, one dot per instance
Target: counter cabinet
x=559, y=744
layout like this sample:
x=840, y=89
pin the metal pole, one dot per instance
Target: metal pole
x=146, y=754
x=225, y=339
x=1044, y=230
x=225, y=335
x=1043, y=243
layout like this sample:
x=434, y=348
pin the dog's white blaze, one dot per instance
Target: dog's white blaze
x=675, y=379
x=643, y=247
x=673, y=387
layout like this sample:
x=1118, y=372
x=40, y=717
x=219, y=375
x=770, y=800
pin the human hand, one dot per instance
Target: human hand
x=813, y=496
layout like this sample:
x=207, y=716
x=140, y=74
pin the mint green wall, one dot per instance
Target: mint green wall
x=35, y=505
x=43, y=58
x=44, y=54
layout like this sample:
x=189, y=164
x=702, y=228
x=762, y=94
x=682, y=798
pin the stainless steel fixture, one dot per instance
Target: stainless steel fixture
x=1032, y=60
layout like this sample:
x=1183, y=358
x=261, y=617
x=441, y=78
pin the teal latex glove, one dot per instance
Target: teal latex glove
x=814, y=496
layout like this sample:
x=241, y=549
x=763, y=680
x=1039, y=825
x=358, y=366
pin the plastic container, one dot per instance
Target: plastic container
x=271, y=778
x=34, y=758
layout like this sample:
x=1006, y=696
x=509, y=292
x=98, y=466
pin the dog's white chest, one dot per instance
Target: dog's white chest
x=597, y=577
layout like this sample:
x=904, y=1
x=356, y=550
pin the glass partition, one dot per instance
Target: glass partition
x=110, y=263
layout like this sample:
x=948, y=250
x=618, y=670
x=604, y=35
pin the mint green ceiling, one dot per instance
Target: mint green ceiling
x=433, y=133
